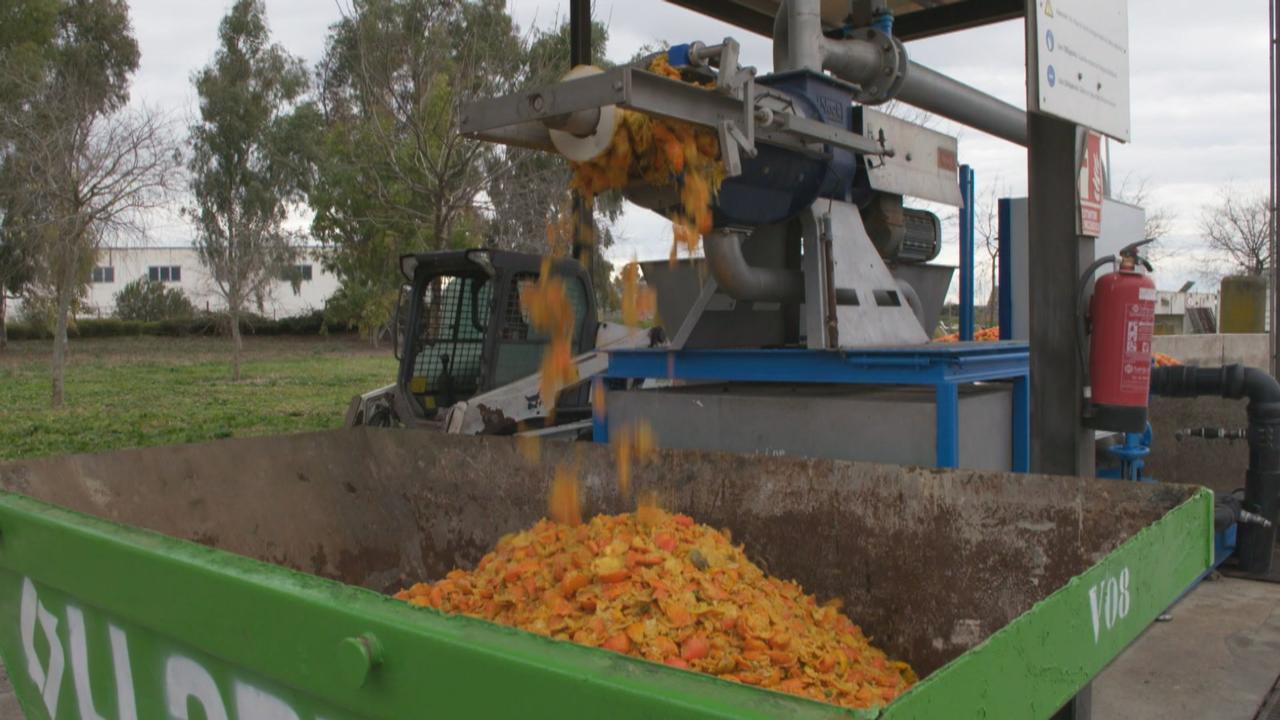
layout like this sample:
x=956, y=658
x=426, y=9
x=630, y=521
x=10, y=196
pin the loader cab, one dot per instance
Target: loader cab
x=462, y=330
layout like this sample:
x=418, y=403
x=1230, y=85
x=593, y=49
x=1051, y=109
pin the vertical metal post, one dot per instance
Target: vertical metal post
x=1022, y=424
x=1057, y=255
x=967, y=215
x=1004, y=240
x=580, y=54
x=1274, y=29
x=579, y=32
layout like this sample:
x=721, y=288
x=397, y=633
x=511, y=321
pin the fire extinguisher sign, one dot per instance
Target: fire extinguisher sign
x=1139, y=323
x=1090, y=185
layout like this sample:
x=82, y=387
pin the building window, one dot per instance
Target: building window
x=296, y=273
x=105, y=274
x=164, y=273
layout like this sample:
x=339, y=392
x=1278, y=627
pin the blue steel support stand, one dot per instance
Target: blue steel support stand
x=966, y=253
x=1005, y=240
x=944, y=366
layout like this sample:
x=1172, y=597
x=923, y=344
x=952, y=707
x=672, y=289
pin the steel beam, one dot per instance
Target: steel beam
x=913, y=25
x=1060, y=445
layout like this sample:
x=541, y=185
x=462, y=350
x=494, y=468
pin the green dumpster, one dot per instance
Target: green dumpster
x=247, y=579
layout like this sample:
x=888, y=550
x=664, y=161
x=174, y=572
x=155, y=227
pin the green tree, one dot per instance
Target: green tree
x=394, y=176
x=147, y=301
x=80, y=169
x=15, y=273
x=26, y=34
x=249, y=161
x=526, y=189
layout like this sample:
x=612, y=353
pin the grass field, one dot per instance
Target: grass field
x=134, y=392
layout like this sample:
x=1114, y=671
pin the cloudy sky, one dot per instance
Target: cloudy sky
x=1199, y=93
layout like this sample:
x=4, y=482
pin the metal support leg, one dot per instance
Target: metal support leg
x=947, y=422
x=1022, y=424
x=600, y=423
x=1005, y=262
x=967, y=264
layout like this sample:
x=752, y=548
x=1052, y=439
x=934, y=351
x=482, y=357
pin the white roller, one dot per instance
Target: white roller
x=582, y=149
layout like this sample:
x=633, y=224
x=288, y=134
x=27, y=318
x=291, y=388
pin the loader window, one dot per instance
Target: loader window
x=450, y=340
x=520, y=347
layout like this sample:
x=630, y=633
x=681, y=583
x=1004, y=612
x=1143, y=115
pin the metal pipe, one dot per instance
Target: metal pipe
x=1262, y=479
x=797, y=36
x=743, y=281
x=855, y=61
x=934, y=92
x=798, y=43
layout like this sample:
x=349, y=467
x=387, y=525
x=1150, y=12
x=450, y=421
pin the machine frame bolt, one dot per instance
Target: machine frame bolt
x=537, y=103
x=357, y=658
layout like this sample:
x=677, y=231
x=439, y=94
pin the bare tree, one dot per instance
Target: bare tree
x=986, y=237
x=910, y=113
x=76, y=179
x=1137, y=190
x=1238, y=228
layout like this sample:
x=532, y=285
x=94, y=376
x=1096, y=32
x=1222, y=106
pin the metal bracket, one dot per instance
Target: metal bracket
x=709, y=288
x=736, y=138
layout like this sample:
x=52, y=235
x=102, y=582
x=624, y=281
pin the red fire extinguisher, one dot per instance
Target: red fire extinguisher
x=1122, y=315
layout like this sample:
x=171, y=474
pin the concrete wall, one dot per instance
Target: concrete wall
x=1216, y=464
x=1206, y=350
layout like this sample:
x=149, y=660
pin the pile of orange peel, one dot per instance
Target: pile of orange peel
x=659, y=586
x=652, y=584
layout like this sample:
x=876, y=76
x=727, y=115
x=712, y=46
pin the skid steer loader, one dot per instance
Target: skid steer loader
x=468, y=356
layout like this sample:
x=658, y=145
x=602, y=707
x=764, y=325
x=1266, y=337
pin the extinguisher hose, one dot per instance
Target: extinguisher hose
x=1081, y=311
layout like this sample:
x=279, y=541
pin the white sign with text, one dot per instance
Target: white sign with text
x=1082, y=62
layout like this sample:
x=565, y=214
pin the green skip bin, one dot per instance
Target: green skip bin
x=247, y=579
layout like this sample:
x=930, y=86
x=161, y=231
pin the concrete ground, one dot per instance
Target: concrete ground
x=1219, y=657
x=9, y=709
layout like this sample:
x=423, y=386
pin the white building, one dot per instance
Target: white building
x=181, y=267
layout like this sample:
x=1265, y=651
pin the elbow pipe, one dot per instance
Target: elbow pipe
x=1255, y=543
x=798, y=44
x=798, y=28
x=743, y=281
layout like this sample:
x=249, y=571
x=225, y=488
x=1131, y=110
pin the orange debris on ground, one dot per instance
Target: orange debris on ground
x=661, y=587
x=991, y=334
x=660, y=152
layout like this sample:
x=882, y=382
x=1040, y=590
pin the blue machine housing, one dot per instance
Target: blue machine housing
x=778, y=183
